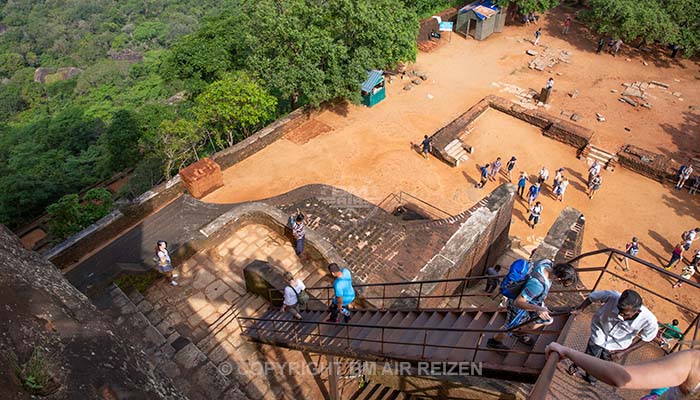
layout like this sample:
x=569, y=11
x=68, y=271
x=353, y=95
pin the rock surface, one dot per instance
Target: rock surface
x=42, y=313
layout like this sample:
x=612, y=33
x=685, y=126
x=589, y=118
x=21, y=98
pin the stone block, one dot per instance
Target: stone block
x=202, y=177
x=144, y=306
x=202, y=279
x=215, y=290
x=211, y=381
x=221, y=352
x=153, y=337
x=190, y=357
x=197, y=301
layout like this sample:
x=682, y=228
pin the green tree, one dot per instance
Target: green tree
x=121, y=142
x=234, y=107
x=174, y=142
x=97, y=203
x=631, y=20
x=64, y=217
x=686, y=14
x=528, y=6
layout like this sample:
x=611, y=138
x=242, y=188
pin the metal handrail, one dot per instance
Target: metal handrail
x=251, y=323
x=541, y=387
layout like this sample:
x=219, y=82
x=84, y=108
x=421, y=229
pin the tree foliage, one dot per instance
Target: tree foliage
x=648, y=21
x=528, y=6
x=70, y=215
x=234, y=106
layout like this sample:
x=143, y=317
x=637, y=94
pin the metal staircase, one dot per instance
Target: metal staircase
x=440, y=336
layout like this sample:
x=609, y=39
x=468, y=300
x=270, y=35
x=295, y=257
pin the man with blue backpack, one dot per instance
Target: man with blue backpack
x=526, y=289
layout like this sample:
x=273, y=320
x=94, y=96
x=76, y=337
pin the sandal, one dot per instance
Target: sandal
x=525, y=339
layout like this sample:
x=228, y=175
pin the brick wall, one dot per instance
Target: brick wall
x=652, y=165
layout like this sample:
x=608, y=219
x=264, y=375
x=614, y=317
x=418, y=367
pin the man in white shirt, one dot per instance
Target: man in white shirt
x=593, y=171
x=620, y=319
x=291, y=294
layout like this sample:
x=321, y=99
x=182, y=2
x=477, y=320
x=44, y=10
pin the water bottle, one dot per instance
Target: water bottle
x=345, y=312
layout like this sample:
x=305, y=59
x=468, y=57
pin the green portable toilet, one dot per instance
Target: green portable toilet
x=373, y=90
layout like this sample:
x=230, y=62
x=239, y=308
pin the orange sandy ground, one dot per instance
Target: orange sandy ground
x=368, y=151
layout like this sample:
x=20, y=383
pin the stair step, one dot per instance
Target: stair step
x=452, y=145
x=377, y=334
x=535, y=360
x=462, y=322
x=394, y=335
x=469, y=339
x=438, y=338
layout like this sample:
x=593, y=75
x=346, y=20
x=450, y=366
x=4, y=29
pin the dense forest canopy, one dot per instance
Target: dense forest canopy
x=148, y=86
x=89, y=88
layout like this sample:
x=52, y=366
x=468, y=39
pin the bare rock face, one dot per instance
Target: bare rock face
x=64, y=348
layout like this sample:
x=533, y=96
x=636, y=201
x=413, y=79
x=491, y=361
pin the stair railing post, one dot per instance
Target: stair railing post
x=461, y=293
x=383, y=296
x=347, y=335
x=605, y=269
x=381, y=343
x=420, y=290
x=332, y=378
x=425, y=341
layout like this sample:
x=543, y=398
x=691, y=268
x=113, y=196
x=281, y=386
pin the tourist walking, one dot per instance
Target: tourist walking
x=484, y=176
x=601, y=43
x=687, y=273
x=695, y=262
x=299, y=233
x=631, y=248
x=558, y=177
x=543, y=175
x=616, y=47
x=526, y=292
x=683, y=176
x=294, y=295
x=561, y=189
x=522, y=180
x=163, y=262
x=509, y=167
x=495, y=168
x=595, y=185
x=533, y=193
x=427, y=146
x=689, y=237
x=695, y=185
x=344, y=294
x=535, y=214
x=492, y=281
x=615, y=325
x=567, y=26
x=611, y=44
x=538, y=35
x=676, y=255
x=593, y=170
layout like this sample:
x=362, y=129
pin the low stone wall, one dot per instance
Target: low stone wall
x=82, y=243
x=652, y=165
x=74, y=248
x=264, y=137
x=553, y=127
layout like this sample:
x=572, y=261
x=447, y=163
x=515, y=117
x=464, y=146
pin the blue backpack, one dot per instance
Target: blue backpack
x=518, y=275
x=514, y=282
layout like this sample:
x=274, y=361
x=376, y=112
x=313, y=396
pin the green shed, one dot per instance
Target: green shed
x=373, y=90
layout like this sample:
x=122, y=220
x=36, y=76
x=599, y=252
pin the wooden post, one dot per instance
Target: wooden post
x=332, y=378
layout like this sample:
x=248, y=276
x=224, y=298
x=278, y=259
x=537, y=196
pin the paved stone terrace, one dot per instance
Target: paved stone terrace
x=378, y=246
x=212, y=294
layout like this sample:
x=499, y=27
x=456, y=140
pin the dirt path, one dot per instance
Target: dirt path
x=368, y=151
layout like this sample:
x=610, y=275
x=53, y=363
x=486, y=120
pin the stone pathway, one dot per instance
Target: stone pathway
x=212, y=294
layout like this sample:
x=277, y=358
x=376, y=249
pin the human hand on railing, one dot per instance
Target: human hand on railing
x=543, y=313
x=556, y=348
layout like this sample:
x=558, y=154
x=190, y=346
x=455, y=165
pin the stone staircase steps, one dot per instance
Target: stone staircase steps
x=604, y=157
x=189, y=368
x=455, y=150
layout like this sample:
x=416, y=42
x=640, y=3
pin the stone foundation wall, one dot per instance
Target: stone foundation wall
x=652, y=165
x=553, y=127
